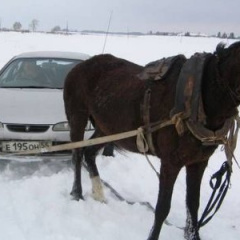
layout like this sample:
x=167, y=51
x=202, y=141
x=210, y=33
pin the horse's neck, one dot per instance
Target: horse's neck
x=218, y=104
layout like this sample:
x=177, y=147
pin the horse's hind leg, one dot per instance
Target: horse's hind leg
x=77, y=128
x=77, y=155
x=194, y=178
x=90, y=154
x=167, y=179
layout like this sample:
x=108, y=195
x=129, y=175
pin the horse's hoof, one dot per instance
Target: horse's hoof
x=191, y=235
x=76, y=196
x=152, y=238
x=97, y=189
x=154, y=234
x=193, y=238
x=98, y=198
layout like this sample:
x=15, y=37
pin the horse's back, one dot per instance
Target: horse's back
x=100, y=70
x=105, y=86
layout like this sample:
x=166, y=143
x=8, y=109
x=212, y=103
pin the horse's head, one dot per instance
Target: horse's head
x=229, y=69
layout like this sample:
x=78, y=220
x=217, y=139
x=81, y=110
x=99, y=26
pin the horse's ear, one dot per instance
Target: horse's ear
x=220, y=49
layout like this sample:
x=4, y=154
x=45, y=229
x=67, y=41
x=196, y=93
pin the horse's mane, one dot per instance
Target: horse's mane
x=222, y=51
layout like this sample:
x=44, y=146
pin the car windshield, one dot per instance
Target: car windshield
x=36, y=73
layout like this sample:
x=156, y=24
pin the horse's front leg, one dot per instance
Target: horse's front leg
x=77, y=156
x=168, y=175
x=194, y=178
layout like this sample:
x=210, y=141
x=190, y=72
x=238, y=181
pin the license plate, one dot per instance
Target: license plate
x=19, y=146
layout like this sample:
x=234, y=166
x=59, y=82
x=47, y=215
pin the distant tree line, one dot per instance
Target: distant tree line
x=17, y=26
x=225, y=35
x=190, y=34
x=33, y=25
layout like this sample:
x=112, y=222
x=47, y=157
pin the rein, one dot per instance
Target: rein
x=222, y=190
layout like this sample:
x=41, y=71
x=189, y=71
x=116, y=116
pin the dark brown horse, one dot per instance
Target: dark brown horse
x=109, y=90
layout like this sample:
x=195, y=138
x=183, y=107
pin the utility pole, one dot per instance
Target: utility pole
x=67, y=28
x=105, y=41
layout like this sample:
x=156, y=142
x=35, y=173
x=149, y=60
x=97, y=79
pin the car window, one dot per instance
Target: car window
x=36, y=72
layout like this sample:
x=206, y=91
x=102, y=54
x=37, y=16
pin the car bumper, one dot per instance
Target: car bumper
x=54, y=137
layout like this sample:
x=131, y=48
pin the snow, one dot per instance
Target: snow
x=35, y=203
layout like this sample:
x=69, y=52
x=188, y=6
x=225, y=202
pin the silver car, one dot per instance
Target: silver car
x=32, y=111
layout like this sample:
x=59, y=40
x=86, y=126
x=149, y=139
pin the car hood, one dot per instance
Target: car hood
x=31, y=106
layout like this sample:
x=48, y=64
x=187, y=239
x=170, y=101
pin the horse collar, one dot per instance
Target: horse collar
x=189, y=109
x=188, y=97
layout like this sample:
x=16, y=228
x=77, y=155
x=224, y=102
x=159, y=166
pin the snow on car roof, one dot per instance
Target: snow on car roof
x=53, y=54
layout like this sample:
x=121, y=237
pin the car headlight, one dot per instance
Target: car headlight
x=62, y=126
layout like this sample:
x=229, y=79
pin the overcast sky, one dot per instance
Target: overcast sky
x=205, y=16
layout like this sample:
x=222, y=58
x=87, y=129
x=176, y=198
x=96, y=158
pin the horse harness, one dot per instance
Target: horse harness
x=188, y=113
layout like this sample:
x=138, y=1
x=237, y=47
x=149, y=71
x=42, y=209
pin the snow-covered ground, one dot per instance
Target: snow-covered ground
x=35, y=203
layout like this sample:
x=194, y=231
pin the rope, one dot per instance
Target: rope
x=151, y=165
x=141, y=141
x=142, y=146
x=80, y=144
x=231, y=142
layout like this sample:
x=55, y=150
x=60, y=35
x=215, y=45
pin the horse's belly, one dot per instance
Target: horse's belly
x=181, y=150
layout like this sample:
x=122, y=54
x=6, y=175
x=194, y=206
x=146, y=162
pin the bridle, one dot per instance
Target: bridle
x=226, y=88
